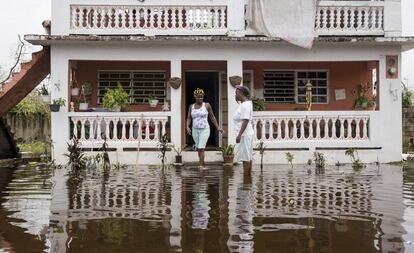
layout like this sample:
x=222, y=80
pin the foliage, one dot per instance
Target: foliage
x=262, y=148
x=36, y=147
x=76, y=156
x=163, y=146
x=309, y=162
x=59, y=102
x=116, y=98
x=356, y=162
x=105, y=156
x=119, y=166
x=290, y=157
x=258, y=104
x=407, y=95
x=227, y=150
x=31, y=106
x=150, y=97
x=362, y=99
x=177, y=150
x=43, y=90
x=319, y=159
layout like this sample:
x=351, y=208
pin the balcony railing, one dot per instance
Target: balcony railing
x=275, y=128
x=350, y=18
x=149, y=20
x=123, y=130
x=337, y=18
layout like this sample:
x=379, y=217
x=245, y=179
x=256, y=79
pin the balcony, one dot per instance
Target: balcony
x=215, y=17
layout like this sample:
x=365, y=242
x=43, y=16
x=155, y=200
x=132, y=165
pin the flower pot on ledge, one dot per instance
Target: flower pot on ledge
x=153, y=102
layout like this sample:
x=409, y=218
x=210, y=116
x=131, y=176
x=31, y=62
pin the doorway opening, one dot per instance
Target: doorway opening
x=209, y=82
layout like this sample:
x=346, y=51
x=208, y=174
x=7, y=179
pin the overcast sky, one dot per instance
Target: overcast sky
x=26, y=16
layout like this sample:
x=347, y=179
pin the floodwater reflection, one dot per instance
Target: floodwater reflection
x=216, y=210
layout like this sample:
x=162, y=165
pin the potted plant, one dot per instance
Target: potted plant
x=45, y=94
x=178, y=156
x=116, y=99
x=75, y=89
x=258, y=105
x=228, y=153
x=83, y=106
x=362, y=100
x=56, y=104
x=152, y=100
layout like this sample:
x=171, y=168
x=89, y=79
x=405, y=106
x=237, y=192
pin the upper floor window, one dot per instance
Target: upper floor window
x=289, y=87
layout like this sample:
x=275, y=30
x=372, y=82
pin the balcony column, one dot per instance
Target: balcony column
x=392, y=18
x=235, y=19
x=176, y=98
x=234, y=68
x=390, y=111
x=59, y=66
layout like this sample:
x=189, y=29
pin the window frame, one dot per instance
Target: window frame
x=296, y=83
x=131, y=80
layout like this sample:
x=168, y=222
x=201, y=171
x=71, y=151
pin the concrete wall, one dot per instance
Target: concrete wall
x=341, y=75
x=27, y=130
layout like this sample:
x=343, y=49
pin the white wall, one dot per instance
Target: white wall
x=408, y=30
x=234, y=54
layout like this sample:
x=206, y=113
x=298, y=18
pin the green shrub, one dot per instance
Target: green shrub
x=31, y=106
x=116, y=98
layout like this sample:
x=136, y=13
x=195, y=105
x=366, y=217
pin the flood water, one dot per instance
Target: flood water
x=217, y=210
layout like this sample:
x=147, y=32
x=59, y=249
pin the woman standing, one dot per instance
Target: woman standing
x=243, y=125
x=197, y=116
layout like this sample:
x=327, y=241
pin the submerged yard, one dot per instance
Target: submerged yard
x=215, y=210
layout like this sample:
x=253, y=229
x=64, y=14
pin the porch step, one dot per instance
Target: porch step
x=23, y=82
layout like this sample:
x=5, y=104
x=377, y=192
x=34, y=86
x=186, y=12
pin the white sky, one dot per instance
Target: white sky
x=26, y=16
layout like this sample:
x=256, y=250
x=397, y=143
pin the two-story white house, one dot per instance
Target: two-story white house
x=143, y=45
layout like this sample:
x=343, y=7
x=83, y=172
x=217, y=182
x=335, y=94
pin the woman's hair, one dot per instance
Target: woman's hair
x=198, y=92
x=244, y=90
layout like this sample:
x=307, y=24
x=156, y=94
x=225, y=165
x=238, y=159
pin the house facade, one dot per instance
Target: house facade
x=168, y=49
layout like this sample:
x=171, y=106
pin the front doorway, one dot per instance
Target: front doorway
x=209, y=82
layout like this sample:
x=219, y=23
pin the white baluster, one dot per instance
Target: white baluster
x=302, y=129
x=123, y=127
x=164, y=129
x=357, y=129
x=223, y=17
x=310, y=129
x=115, y=129
x=147, y=132
x=352, y=22
x=156, y=130
x=98, y=128
x=255, y=129
x=294, y=129
x=216, y=17
x=75, y=127
x=271, y=129
x=341, y=128
x=131, y=129
x=346, y=18
x=263, y=122
x=279, y=129
x=326, y=128
x=365, y=128
x=82, y=129
x=151, y=21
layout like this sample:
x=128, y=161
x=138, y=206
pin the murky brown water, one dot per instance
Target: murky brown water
x=217, y=210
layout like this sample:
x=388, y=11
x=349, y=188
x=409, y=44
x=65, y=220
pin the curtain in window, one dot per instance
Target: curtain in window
x=291, y=20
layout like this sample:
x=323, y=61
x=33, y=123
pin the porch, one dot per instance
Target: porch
x=284, y=126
